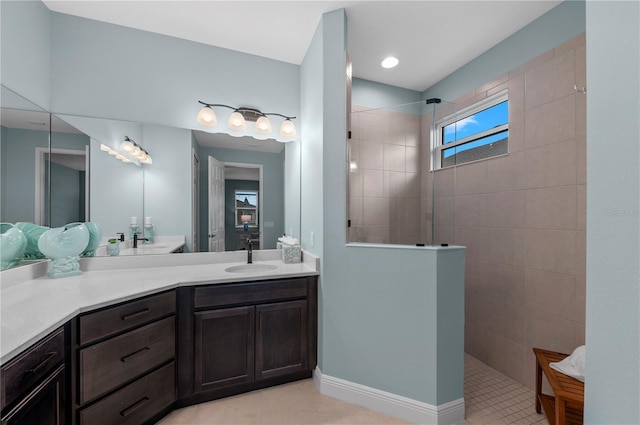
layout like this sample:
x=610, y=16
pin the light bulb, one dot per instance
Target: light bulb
x=207, y=117
x=389, y=62
x=287, y=129
x=127, y=146
x=263, y=125
x=237, y=122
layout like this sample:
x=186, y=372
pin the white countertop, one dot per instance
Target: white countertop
x=160, y=245
x=32, y=308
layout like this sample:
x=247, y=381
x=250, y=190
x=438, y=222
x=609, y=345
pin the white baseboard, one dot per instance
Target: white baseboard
x=391, y=404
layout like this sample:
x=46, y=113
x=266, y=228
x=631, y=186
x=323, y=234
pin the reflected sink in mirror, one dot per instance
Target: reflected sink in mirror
x=251, y=268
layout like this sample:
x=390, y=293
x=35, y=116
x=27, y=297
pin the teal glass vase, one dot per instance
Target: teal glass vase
x=12, y=245
x=32, y=232
x=64, y=246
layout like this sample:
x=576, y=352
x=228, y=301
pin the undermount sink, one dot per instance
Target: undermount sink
x=251, y=268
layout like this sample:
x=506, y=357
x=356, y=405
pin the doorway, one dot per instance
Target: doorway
x=225, y=233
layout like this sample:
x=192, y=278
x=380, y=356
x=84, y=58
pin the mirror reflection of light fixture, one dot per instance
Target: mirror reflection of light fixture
x=238, y=120
x=130, y=152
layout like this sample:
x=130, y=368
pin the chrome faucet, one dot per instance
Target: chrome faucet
x=249, y=251
x=136, y=239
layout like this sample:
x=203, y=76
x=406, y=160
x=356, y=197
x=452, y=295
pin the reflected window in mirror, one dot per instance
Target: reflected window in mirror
x=246, y=207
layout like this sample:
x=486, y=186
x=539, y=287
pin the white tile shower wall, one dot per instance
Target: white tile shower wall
x=522, y=216
x=385, y=190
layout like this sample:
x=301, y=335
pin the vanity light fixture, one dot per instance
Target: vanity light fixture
x=130, y=152
x=134, y=152
x=238, y=120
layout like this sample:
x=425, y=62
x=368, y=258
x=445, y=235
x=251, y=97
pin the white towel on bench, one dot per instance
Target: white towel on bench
x=572, y=365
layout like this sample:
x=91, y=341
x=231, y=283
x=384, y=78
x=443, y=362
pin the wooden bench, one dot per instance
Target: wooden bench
x=567, y=406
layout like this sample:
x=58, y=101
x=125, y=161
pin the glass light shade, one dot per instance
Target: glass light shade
x=104, y=148
x=127, y=146
x=146, y=160
x=287, y=129
x=207, y=117
x=112, y=152
x=263, y=125
x=237, y=122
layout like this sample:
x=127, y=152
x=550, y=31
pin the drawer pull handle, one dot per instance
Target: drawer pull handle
x=136, y=314
x=134, y=354
x=42, y=364
x=135, y=406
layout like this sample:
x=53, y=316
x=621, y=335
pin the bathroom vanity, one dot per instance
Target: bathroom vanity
x=129, y=354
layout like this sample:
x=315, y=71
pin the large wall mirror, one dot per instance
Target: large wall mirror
x=63, y=174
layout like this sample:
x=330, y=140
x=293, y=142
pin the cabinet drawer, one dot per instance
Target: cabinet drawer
x=137, y=402
x=26, y=370
x=103, y=323
x=108, y=364
x=249, y=293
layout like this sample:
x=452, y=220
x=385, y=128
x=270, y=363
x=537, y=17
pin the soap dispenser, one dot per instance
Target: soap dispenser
x=148, y=230
x=133, y=227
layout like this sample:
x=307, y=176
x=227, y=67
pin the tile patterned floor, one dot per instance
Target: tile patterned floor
x=490, y=398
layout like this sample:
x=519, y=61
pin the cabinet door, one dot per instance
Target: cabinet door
x=281, y=338
x=224, y=347
x=43, y=406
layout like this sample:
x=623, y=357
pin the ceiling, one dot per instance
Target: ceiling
x=431, y=38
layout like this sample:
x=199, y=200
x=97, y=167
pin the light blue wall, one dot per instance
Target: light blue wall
x=312, y=92
x=273, y=187
x=18, y=168
x=115, y=192
x=67, y=195
x=167, y=182
x=115, y=188
x=25, y=50
x=105, y=70
x=379, y=310
x=377, y=95
x=18, y=172
x=560, y=24
x=612, y=385
x=292, y=191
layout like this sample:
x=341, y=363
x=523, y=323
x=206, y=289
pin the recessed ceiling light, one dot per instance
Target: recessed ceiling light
x=389, y=62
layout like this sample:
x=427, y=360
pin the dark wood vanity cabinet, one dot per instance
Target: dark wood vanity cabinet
x=246, y=336
x=125, y=362
x=133, y=362
x=34, y=383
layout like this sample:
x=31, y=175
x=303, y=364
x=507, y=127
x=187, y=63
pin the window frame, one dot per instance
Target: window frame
x=470, y=110
x=256, y=220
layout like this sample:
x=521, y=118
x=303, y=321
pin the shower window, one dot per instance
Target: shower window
x=477, y=132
